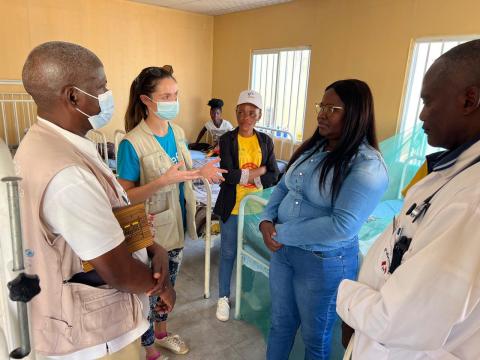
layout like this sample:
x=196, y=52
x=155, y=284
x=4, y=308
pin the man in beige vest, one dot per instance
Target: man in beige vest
x=67, y=198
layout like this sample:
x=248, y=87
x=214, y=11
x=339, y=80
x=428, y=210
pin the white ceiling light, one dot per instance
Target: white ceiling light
x=213, y=7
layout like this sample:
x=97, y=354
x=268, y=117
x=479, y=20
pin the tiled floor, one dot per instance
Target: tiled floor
x=194, y=317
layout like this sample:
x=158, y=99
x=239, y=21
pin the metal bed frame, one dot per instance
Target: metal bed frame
x=208, y=239
x=17, y=114
x=117, y=138
x=282, y=136
x=244, y=255
x=100, y=141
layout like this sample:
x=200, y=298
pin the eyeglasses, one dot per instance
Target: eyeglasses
x=327, y=109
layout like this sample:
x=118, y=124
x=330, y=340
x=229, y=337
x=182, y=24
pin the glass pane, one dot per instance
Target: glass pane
x=282, y=79
x=424, y=54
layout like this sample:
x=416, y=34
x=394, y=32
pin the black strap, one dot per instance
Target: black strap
x=400, y=248
x=403, y=244
x=426, y=203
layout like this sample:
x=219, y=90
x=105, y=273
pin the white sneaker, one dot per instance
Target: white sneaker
x=223, y=309
x=174, y=343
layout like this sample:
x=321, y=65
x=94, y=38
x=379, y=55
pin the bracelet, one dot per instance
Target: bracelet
x=244, y=177
x=258, y=182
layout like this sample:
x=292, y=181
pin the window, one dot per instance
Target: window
x=424, y=54
x=281, y=76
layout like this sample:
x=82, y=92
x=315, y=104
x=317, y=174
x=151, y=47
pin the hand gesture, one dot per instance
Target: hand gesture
x=174, y=175
x=212, y=173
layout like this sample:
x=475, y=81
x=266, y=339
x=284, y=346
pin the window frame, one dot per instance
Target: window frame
x=406, y=100
x=277, y=51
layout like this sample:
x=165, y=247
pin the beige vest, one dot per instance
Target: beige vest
x=164, y=204
x=65, y=317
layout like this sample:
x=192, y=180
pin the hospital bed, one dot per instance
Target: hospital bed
x=100, y=141
x=206, y=195
x=17, y=113
x=283, y=142
x=14, y=330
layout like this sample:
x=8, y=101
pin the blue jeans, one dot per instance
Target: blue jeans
x=303, y=288
x=228, y=254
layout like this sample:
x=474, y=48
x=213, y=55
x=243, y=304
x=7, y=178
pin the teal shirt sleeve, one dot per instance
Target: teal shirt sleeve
x=128, y=164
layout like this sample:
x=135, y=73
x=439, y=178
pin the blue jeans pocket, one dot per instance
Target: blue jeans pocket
x=325, y=272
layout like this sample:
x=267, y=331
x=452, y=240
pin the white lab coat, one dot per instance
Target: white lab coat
x=429, y=308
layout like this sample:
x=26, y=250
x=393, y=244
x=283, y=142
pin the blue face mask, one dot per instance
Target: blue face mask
x=167, y=110
x=107, y=106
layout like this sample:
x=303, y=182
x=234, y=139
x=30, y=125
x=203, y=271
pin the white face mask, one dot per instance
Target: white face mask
x=107, y=106
x=167, y=110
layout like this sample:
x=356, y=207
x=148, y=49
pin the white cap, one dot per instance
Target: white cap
x=250, y=97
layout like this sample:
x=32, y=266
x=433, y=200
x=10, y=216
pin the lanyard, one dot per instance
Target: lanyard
x=417, y=211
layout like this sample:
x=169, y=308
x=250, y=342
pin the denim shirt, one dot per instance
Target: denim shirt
x=304, y=216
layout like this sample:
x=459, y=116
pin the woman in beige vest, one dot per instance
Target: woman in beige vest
x=154, y=166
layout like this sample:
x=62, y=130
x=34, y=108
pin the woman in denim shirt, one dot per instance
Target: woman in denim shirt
x=311, y=223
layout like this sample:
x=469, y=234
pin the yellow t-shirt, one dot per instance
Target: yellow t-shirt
x=249, y=157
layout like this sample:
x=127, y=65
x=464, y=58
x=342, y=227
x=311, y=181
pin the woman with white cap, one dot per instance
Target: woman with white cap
x=249, y=158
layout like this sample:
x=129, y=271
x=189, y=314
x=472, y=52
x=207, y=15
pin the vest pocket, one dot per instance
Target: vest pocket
x=102, y=314
x=52, y=335
x=166, y=230
x=155, y=165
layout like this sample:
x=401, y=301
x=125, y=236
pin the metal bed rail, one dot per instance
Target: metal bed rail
x=118, y=136
x=17, y=114
x=21, y=287
x=282, y=136
x=242, y=252
x=100, y=141
x=208, y=238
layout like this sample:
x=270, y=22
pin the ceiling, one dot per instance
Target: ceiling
x=213, y=7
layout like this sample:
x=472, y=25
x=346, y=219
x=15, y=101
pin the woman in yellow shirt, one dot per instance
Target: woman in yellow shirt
x=249, y=158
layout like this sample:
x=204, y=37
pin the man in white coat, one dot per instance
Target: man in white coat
x=418, y=291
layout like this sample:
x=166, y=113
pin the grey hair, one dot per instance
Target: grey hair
x=53, y=65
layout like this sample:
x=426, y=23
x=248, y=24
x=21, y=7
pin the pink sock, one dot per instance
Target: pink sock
x=160, y=335
x=154, y=357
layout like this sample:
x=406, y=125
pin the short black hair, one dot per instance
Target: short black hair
x=52, y=65
x=215, y=103
x=462, y=62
